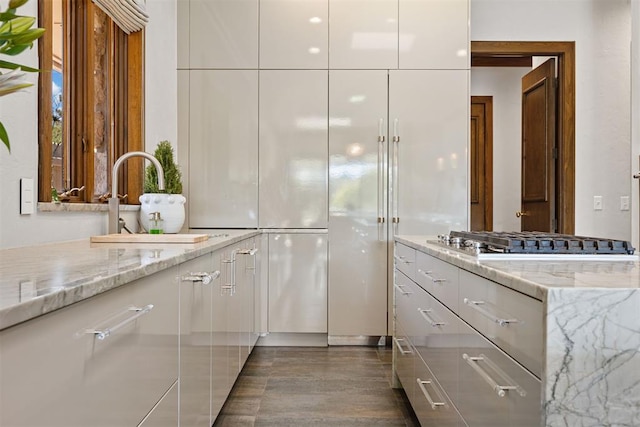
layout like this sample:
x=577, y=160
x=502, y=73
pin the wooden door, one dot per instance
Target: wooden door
x=481, y=159
x=537, y=211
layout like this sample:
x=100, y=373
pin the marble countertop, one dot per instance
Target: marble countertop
x=537, y=277
x=38, y=279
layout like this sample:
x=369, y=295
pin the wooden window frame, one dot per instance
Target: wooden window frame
x=124, y=102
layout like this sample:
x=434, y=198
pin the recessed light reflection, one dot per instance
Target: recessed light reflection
x=315, y=20
x=314, y=50
x=356, y=99
x=461, y=52
x=355, y=149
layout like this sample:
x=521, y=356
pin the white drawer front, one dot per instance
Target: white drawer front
x=439, y=278
x=405, y=260
x=76, y=379
x=511, y=320
x=494, y=389
x=430, y=402
x=404, y=292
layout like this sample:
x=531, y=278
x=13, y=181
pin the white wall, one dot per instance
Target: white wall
x=19, y=115
x=602, y=32
x=503, y=83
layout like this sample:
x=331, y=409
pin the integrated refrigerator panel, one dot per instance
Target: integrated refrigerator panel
x=357, y=203
x=223, y=149
x=293, y=149
x=429, y=120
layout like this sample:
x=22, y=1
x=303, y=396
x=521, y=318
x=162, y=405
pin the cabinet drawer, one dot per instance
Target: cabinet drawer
x=403, y=358
x=430, y=403
x=84, y=380
x=439, y=278
x=511, y=320
x=405, y=260
x=494, y=389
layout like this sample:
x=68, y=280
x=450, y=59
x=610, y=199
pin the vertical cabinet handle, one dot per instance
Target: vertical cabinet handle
x=395, y=184
x=230, y=271
x=501, y=390
x=434, y=404
x=381, y=215
x=104, y=333
x=251, y=252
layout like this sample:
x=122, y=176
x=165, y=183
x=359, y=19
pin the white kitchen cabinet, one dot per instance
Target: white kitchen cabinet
x=428, y=119
x=294, y=34
x=357, y=183
x=298, y=282
x=475, y=377
x=293, y=149
x=199, y=280
x=57, y=371
x=433, y=34
x=223, y=34
x=165, y=413
x=363, y=34
x=223, y=149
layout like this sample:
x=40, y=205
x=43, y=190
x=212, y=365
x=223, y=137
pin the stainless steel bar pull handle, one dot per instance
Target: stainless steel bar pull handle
x=480, y=307
x=201, y=277
x=426, y=315
x=400, y=349
x=402, y=259
x=400, y=289
x=395, y=184
x=501, y=390
x=231, y=263
x=104, y=333
x=421, y=384
x=380, y=183
x=428, y=274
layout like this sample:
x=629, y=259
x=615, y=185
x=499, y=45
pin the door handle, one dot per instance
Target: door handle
x=522, y=213
x=636, y=175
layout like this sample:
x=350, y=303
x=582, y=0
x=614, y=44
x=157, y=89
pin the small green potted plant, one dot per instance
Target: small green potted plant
x=169, y=202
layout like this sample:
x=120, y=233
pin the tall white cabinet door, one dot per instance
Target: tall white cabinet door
x=429, y=113
x=363, y=34
x=223, y=149
x=223, y=33
x=434, y=34
x=298, y=283
x=357, y=182
x=293, y=149
x=221, y=381
x=294, y=34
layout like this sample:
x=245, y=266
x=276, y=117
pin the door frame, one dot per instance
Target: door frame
x=498, y=52
x=487, y=102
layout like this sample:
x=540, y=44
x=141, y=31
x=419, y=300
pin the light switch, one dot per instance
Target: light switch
x=597, y=203
x=26, y=196
x=624, y=203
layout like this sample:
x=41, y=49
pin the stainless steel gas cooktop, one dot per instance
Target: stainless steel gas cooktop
x=535, y=245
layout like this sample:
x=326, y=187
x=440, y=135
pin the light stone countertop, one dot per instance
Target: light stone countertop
x=35, y=280
x=536, y=277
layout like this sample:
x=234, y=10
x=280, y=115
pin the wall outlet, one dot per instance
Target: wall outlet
x=597, y=203
x=26, y=196
x=624, y=203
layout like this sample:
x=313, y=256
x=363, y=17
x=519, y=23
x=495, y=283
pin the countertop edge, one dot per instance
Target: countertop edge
x=84, y=289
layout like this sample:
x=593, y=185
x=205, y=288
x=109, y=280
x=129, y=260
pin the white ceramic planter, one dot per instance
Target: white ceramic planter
x=170, y=206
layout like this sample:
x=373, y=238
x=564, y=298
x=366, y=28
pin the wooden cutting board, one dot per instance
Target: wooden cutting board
x=150, y=238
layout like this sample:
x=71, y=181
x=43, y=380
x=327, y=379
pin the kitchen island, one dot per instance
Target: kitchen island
x=130, y=334
x=571, y=328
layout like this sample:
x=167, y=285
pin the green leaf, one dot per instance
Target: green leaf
x=12, y=66
x=4, y=137
x=14, y=4
x=7, y=16
x=15, y=50
x=18, y=24
x=15, y=88
x=24, y=37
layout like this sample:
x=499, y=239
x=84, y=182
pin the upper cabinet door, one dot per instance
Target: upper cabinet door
x=294, y=34
x=223, y=33
x=363, y=34
x=223, y=148
x=293, y=149
x=434, y=34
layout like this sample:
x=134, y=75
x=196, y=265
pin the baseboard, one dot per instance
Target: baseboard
x=292, y=340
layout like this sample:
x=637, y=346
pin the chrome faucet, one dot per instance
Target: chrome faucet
x=114, y=202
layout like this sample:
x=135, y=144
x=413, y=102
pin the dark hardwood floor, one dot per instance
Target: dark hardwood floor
x=310, y=386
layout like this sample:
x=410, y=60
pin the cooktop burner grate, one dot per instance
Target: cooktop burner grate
x=526, y=242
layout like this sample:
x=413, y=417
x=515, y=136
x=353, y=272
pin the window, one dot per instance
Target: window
x=90, y=104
